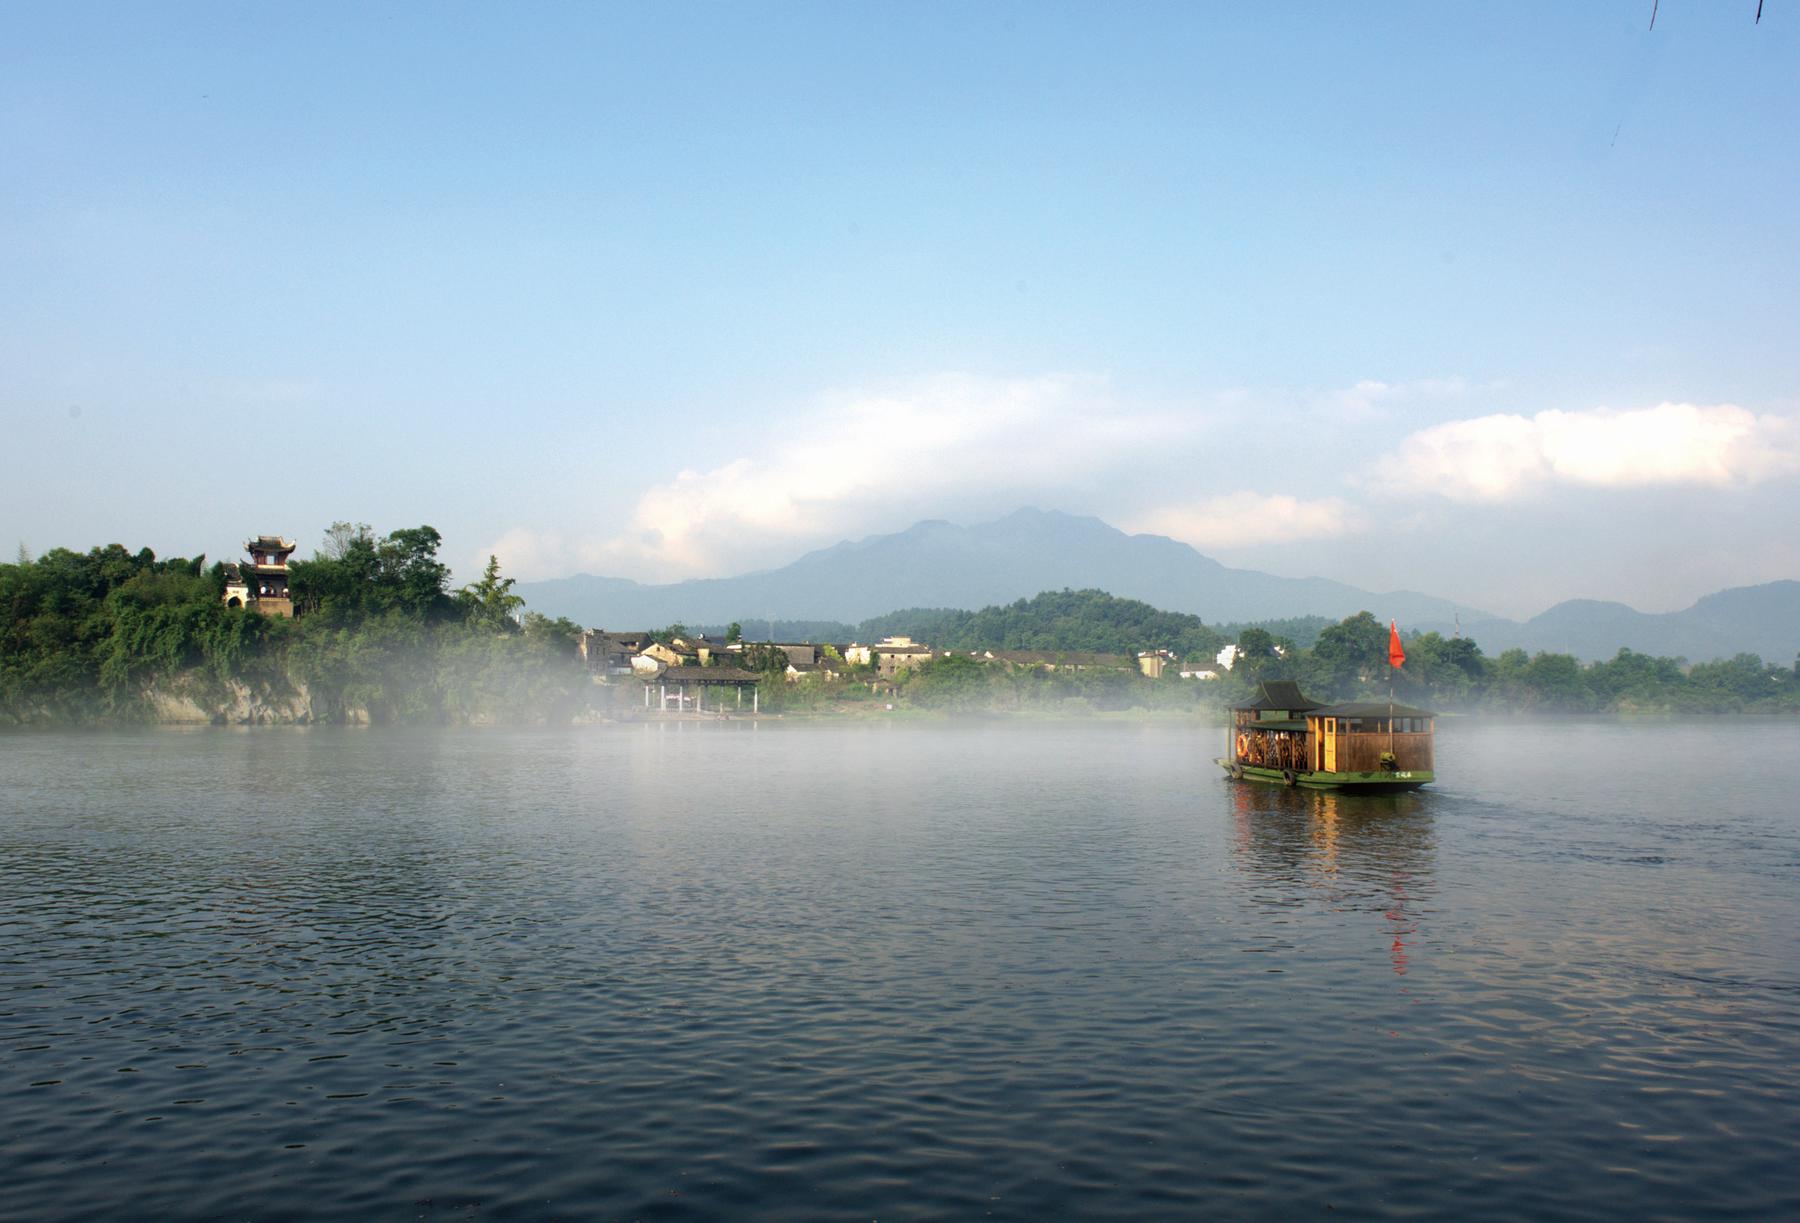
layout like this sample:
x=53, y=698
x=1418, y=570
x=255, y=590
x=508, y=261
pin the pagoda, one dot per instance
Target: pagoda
x=261, y=583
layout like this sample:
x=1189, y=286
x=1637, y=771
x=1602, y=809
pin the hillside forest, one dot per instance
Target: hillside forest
x=116, y=636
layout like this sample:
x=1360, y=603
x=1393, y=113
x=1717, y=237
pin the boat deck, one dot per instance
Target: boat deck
x=1312, y=779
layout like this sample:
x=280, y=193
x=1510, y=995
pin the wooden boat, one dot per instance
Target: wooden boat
x=1368, y=747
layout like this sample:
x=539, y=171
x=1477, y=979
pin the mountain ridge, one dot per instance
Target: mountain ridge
x=940, y=564
x=935, y=563
x=1762, y=619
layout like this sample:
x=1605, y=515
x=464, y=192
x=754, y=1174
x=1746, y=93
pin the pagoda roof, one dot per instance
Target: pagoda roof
x=1281, y=694
x=270, y=543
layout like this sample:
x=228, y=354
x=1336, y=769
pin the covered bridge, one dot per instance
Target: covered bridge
x=676, y=683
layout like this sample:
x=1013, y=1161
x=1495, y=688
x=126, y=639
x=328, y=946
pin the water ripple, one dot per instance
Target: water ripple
x=829, y=971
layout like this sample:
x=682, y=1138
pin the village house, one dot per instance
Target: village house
x=796, y=651
x=703, y=648
x=665, y=654
x=896, y=654
x=1152, y=662
x=1064, y=660
x=889, y=656
x=609, y=655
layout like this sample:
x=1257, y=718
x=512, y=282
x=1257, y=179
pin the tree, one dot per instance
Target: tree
x=1256, y=653
x=951, y=682
x=490, y=603
x=408, y=561
x=769, y=659
x=561, y=635
x=734, y=632
x=1440, y=669
x=341, y=537
x=1348, y=654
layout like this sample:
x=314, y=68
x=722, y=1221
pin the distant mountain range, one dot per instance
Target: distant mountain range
x=1761, y=620
x=940, y=564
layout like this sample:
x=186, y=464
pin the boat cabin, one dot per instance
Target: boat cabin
x=1271, y=731
x=1283, y=732
x=1372, y=737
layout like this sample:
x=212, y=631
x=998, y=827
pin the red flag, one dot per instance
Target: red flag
x=1396, y=655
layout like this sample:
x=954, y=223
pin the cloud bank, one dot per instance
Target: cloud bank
x=1504, y=457
x=960, y=446
x=1248, y=520
x=861, y=461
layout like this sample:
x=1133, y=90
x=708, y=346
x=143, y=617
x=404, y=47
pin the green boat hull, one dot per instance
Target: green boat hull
x=1360, y=783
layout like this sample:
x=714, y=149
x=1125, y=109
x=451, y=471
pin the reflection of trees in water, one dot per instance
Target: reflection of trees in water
x=1365, y=853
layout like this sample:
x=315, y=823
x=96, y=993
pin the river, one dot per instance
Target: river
x=924, y=970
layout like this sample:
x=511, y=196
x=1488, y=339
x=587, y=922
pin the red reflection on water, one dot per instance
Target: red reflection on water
x=1403, y=925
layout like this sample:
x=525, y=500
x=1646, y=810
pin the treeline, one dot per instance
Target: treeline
x=1345, y=660
x=113, y=635
x=1081, y=620
x=1349, y=660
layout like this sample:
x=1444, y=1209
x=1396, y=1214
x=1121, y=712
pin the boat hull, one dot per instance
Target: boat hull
x=1359, y=783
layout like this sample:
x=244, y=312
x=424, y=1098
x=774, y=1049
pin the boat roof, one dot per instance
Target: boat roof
x=1370, y=709
x=1281, y=694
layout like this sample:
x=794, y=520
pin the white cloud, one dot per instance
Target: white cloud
x=1246, y=520
x=862, y=461
x=1373, y=399
x=1495, y=458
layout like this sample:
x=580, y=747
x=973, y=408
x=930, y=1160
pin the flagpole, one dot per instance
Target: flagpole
x=1395, y=658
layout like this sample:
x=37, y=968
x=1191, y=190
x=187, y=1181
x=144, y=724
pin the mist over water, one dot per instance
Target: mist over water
x=952, y=969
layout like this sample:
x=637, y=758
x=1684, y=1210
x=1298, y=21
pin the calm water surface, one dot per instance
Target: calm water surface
x=873, y=971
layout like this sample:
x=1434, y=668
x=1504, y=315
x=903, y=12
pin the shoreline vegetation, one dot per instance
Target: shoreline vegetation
x=112, y=637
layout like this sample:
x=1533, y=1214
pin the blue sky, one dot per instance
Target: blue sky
x=1498, y=303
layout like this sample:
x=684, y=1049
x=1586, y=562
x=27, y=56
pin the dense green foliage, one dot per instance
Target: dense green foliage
x=1346, y=660
x=103, y=635
x=1349, y=660
x=1298, y=630
x=116, y=635
x=1083, y=620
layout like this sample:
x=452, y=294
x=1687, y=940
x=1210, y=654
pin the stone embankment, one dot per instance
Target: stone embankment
x=189, y=700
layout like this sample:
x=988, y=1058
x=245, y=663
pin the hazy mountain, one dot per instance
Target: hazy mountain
x=939, y=564
x=1761, y=620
